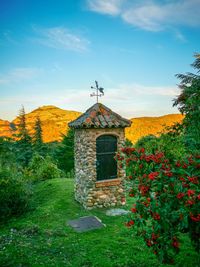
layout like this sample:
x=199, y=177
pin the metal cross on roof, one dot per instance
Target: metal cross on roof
x=99, y=91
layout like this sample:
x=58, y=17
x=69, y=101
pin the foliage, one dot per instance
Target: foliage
x=42, y=168
x=7, y=153
x=65, y=154
x=166, y=198
x=14, y=193
x=170, y=143
x=37, y=137
x=23, y=146
x=23, y=132
x=43, y=238
x=188, y=103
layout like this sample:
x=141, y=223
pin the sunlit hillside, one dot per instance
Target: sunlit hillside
x=150, y=125
x=5, y=128
x=55, y=123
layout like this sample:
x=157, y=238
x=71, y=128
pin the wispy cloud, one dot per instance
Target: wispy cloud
x=127, y=91
x=19, y=74
x=111, y=7
x=129, y=100
x=151, y=15
x=61, y=38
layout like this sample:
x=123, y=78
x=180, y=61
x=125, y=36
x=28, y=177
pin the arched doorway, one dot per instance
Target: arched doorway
x=106, y=166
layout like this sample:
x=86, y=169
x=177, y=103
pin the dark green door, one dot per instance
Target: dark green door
x=106, y=147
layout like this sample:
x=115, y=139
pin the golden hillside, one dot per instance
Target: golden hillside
x=5, y=129
x=55, y=123
x=150, y=125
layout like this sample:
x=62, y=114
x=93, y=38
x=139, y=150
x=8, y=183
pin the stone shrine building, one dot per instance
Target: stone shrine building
x=99, y=134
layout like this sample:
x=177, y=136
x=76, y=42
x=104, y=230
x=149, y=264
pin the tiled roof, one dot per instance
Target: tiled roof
x=99, y=116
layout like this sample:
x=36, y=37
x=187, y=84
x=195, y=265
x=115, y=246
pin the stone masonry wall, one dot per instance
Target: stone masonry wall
x=89, y=192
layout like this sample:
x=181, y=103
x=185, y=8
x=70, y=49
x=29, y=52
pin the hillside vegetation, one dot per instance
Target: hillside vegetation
x=42, y=237
x=55, y=123
x=150, y=125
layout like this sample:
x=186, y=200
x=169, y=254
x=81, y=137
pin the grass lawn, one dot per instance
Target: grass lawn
x=42, y=237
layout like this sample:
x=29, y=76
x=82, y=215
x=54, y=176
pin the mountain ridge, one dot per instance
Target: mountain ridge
x=55, y=121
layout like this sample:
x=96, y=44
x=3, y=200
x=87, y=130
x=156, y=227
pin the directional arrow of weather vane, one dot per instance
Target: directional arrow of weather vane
x=99, y=91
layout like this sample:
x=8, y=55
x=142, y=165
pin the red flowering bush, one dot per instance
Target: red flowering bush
x=166, y=198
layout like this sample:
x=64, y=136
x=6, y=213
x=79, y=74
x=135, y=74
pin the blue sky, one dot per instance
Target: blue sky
x=52, y=51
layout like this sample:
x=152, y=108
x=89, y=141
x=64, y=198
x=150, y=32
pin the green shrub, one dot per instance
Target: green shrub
x=43, y=168
x=14, y=193
x=165, y=196
x=172, y=145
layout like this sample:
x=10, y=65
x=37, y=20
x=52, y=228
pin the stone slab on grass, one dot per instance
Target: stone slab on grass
x=116, y=212
x=86, y=223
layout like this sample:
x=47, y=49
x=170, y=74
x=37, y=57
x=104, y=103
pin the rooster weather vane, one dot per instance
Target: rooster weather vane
x=99, y=91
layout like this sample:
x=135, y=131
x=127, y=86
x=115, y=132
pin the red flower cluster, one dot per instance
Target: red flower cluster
x=156, y=216
x=130, y=223
x=134, y=210
x=175, y=243
x=127, y=150
x=195, y=218
x=180, y=195
x=193, y=180
x=153, y=175
x=143, y=189
x=190, y=192
x=131, y=193
x=173, y=195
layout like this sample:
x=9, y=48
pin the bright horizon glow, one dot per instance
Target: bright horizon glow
x=52, y=54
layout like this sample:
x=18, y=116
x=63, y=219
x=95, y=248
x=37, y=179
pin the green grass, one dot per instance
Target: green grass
x=42, y=237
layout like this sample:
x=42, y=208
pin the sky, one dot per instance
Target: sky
x=52, y=51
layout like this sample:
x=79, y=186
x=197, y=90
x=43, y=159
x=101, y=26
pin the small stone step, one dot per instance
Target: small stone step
x=116, y=212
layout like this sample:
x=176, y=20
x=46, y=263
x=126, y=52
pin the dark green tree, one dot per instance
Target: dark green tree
x=65, y=154
x=188, y=102
x=38, y=144
x=37, y=137
x=22, y=128
x=24, y=144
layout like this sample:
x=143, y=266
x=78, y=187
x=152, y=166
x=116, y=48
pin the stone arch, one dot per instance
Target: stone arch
x=108, y=133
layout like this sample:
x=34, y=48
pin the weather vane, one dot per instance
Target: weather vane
x=99, y=91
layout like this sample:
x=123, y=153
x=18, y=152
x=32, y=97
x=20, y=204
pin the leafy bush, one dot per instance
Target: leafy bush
x=166, y=198
x=43, y=168
x=14, y=194
x=170, y=143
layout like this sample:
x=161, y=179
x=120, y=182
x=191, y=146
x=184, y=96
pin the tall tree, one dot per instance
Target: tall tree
x=38, y=144
x=188, y=102
x=37, y=137
x=22, y=128
x=24, y=146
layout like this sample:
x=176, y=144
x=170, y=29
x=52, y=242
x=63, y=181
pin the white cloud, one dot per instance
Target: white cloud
x=111, y=7
x=19, y=74
x=61, y=38
x=138, y=89
x=152, y=15
x=129, y=100
x=147, y=17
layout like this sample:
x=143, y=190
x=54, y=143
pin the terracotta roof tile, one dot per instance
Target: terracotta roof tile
x=99, y=116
